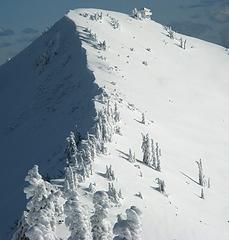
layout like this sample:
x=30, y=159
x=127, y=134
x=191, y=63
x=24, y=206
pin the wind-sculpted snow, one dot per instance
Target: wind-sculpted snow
x=44, y=92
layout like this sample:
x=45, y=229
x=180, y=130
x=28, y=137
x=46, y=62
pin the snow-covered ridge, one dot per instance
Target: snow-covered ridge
x=168, y=87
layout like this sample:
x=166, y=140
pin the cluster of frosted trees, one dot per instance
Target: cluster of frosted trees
x=171, y=34
x=43, y=209
x=80, y=153
x=47, y=206
x=141, y=14
x=151, y=152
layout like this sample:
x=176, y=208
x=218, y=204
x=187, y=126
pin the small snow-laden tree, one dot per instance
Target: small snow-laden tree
x=39, y=219
x=71, y=150
x=113, y=194
x=82, y=169
x=158, y=160
x=116, y=113
x=92, y=187
x=101, y=228
x=109, y=174
x=161, y=185
x=143, y=119
x=129, y=228
x=146, y=149
x=106, y=127
x=77, y=218
x=153, y=154
x=78, y=137
x=91, y=140
x=131, y=157
x=98, y=137
x=71, y=181
x=202, y=193
x=201, y=173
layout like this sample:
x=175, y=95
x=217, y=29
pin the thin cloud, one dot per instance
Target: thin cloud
x=5, y=44
x=6, y=32
x=29, y=31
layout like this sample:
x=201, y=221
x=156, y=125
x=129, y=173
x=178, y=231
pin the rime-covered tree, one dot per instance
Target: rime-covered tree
x=201, y=174
x=143, y=119
x=129, y=228
x=109, y=174
x=101, y=228
x=202, y=193
x=146, y=149
x=153, y=154
x=116, y=113
x=113, y=194
x=161, y=185
x=71, y=150
x=158, y=160
x=131, y=157
x=77, y=218
x=41, y=213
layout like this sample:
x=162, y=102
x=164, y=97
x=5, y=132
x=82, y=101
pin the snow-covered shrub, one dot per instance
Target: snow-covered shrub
x=102, y=45
x=77, y=218
x=97, y=16
x=143, y=13
x=129, y=228
x=114, y=23
x=145, y=63
x=101, y=228
x=161, y=185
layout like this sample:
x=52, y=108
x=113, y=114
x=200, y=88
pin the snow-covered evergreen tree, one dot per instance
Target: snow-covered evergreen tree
x=113, y=194
x=161, y=185
x=129, y=228
x=201, y=173
x=77, y=218
x=39, y=219
x=110, y=173
x=131, y=157
x=71, y=150
x=143, y=119
x=158, y=160
x=116, y=113
x=101, y=228
x=146, y=149
x=153, y=154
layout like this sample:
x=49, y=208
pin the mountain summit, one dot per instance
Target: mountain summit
x=152, y=101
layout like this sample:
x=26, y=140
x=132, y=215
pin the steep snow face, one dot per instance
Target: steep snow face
x=184, y=95
x=44, y=92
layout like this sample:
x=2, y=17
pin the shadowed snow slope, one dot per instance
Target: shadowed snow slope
x=44, y=92
x=184, y=94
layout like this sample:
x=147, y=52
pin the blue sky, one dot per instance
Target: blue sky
x=21, y=21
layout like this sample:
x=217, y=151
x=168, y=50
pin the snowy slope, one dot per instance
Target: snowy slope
x=183, y=93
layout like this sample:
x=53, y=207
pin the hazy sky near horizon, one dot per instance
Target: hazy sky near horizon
x=22, y=21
